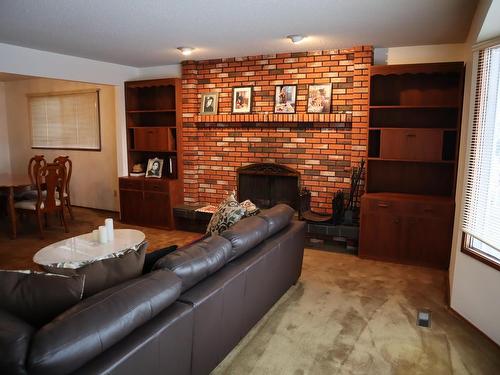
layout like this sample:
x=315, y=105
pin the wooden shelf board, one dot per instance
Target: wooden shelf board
x=434, y=68
x=414, y=161
x=409, y=128
x=143, y=150
x=414, y=107
x=151, y=127
x=151, y=110
x=406, y=196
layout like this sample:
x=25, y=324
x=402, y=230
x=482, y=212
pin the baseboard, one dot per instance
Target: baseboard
x=459, y=316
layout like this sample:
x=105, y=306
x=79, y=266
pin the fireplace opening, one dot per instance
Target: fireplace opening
x=267, y=184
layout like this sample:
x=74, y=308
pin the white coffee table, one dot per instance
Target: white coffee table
x=84, y=249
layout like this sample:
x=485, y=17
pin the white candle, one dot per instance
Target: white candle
x=95, y=235
x=109, y=229
x=103, y=234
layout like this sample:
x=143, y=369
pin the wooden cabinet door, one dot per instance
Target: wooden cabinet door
x=152, y=139
x=427, y=241
x=131, y=202
x=411, y=144
x=156, y=209
x=380, y=235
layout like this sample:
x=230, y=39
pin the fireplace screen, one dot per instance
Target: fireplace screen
x=267, y=184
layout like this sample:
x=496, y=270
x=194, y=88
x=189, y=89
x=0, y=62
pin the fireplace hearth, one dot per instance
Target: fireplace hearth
x=267, y=184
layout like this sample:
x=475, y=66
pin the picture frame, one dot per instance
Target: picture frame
x=319, y=98
x=242, y=99
x=209, y=103
x=285, y=98
x=154, y=168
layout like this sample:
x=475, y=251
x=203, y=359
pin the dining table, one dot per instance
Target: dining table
x=9, y=182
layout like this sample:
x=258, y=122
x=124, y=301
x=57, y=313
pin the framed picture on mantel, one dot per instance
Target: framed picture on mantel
x=284, y=99
x=209, y=103
x=242, y=99
x=319, y=98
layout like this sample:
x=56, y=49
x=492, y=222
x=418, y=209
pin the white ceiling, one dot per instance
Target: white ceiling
x=146, y=32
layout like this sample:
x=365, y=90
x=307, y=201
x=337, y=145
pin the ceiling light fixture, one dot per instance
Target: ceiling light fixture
x=186, y=51
x=296, y=38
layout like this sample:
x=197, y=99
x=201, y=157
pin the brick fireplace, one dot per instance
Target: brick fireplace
x=267, y=184
x=321, y=147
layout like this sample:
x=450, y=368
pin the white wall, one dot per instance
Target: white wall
x=170, y=71
x=27, y=61
x=4, y=134
x=419, y=54
x=94, y=182
x=474, y=286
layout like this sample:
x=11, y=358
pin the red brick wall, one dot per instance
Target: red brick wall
x=323, y=148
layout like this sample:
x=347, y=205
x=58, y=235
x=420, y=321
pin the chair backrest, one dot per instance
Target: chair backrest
x=35, y=163
x=66, y=161
x=51, y=178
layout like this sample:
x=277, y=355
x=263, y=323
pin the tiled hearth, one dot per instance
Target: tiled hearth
x=322, y=148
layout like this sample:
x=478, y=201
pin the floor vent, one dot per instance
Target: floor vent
x=424, y=318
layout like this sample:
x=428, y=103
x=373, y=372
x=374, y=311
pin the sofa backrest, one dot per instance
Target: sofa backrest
x=197, y=261
x=98, y=322
x=246, y=234
x=277, y=217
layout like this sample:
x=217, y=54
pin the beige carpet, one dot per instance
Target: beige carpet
x=352, y=316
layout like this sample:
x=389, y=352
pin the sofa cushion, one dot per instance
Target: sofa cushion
x=38, y=297
x=98, y=322
x=228, y=213
x=246, y=234
x=105, y=273
x=151, y=258
x=277, y=217
x=15, y=336
x=198, y=261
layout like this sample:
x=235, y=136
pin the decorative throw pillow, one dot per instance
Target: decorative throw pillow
x=38, y=297
x=105, y=273
x=250, y=208
x=228, y=213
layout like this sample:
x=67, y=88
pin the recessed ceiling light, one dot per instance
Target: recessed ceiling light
x=186, y=51
x=296, y=38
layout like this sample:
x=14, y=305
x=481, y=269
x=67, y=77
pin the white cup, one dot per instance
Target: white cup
x=109, y=229
x=95, y=235
x=103, y=234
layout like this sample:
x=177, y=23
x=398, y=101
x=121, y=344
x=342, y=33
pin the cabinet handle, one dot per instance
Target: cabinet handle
x=397, y=221
x=428, y=209
x=411, y=135
x=384, y=205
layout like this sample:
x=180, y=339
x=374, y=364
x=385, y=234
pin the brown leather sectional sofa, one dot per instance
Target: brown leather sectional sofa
x=185, y=316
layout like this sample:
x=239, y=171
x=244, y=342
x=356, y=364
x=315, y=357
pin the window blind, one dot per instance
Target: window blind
x=69, y=121
x=482, y=196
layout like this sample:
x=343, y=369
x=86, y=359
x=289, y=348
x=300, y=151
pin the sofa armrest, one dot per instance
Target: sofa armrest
x=95, y=324
x=15, y=336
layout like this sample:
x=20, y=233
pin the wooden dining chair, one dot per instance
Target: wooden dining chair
x=52, y=177
x=29, y=192
x=35, y=163
x=65, y=160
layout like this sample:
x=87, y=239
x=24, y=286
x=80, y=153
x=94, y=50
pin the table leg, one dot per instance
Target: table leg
x=12, y=212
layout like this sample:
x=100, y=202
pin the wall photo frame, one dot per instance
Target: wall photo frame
x=319, y=98
x=285, y=97
x=242, y=99
x=209, y=103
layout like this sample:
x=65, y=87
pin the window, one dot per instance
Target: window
x=65, y=120
x=482, y=198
